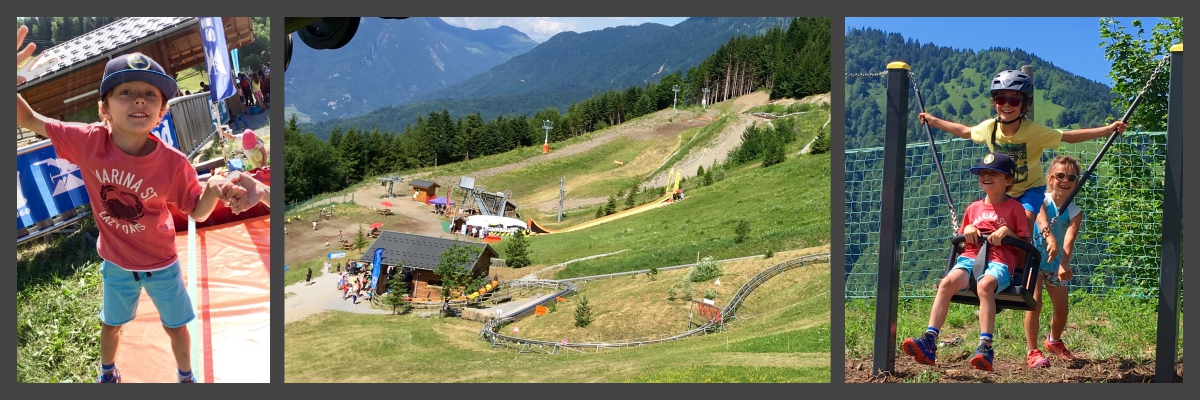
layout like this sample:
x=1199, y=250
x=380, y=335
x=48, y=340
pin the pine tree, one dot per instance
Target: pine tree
x=518, y=251
x=583, y=313
x=361, y=240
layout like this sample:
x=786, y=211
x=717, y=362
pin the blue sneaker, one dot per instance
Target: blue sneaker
x=983, y=357
x=111, y=377
x=923, y=350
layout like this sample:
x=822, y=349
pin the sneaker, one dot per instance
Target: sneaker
x=983, y=357
x=1059, y=348
x=190, y=379
x=1035, y=360
x=923, y=350
x=111, y=377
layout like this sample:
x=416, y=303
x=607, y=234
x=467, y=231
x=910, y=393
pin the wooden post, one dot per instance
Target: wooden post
x=1028, y=70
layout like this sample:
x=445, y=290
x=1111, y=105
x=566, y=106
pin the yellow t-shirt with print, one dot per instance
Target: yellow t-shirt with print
x=1025, y=149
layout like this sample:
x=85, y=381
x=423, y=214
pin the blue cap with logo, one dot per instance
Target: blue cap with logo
x=137, y=67
x=997, y=161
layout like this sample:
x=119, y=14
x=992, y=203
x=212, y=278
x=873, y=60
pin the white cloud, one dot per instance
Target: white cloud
x=542, y=28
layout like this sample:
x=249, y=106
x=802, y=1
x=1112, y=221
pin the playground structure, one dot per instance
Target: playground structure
x=890, y=222
x=667, y=198
x=475, y=197
x=564, y=288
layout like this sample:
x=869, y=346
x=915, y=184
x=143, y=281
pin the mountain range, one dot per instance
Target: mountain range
x=567, y=67
x=389, y=61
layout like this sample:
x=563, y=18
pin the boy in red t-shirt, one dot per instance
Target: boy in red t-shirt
x=130, y=178
x=996, y=215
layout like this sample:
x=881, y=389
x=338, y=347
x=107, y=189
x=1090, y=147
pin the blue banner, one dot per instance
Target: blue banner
x=165, y=131
x=216, y=55
x=340, y=254
x=234, y=56
x=376, y=265
x=46, y=186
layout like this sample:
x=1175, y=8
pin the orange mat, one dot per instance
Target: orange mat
x=231, y=335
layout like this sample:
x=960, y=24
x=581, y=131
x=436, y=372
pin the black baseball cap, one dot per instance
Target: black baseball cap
x=134, y=67
x=996, y=161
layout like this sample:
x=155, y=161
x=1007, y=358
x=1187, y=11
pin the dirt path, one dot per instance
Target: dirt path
x=726, y=140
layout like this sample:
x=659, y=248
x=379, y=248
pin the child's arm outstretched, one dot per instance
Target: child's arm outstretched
x=214, y=190
x=954, y=128
x=1083, y=135
x=26, y=117
x=254, y=192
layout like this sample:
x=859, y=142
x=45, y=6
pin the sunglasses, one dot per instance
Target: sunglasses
x=1012, y=101
x=1070, y=178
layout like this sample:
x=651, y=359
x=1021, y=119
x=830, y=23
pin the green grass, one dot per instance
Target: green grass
x=460, y=168
x=605, y=188
x=1099, y=327
x=400, y=348
x=705, y=374
x=58, y=303
x=546, y=175
x=788, y=109
x=810, y=340
x=189, y=79
x=296, y=273
x=782, y=216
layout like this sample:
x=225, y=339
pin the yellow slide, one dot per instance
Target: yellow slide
x=667, y=198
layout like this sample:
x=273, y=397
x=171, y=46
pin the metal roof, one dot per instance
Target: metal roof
x=419, y=252
x=423, y=184
x=107, y=40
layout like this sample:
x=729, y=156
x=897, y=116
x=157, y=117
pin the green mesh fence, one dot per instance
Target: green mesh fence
x=1118, y=250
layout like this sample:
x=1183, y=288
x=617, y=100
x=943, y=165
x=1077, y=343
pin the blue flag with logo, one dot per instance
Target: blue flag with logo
x=216, y=54
x=376, y=264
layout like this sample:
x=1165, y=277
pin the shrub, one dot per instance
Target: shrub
x=742, y=230
x=705, y=270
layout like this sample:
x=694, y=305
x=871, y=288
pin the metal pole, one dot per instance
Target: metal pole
x=676, y=98
x=561, y=193
x=547, y=125
x=888, y=292
x=1172, y=229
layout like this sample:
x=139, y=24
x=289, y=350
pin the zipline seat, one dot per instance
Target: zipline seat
x=1019, y=294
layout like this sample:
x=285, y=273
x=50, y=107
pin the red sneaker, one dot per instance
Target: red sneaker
x=1035, y=360
x=1058, y=348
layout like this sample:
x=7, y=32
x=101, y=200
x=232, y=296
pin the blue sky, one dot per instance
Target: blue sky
x=1069, y=43
x=542, y=28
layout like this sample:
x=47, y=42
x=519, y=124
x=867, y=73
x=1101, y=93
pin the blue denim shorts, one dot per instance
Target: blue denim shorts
x=165, y=287
x=995, y=269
